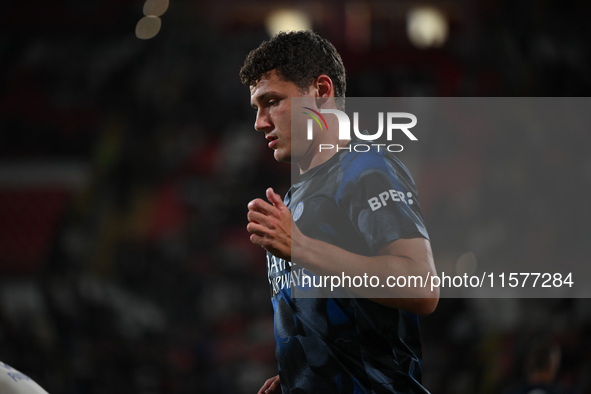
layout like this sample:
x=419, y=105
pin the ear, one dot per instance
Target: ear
x=324, y=88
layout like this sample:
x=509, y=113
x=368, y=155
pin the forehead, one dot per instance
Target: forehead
x=272, y=82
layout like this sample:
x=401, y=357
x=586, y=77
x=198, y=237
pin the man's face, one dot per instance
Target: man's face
x=271, y=97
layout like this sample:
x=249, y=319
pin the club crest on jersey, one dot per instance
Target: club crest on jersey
x=297, y=212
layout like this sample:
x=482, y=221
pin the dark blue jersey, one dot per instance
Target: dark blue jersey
x=359, y=202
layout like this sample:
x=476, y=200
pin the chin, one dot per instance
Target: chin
x=282, y=157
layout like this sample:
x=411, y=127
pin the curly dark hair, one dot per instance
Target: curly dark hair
x=299, y=57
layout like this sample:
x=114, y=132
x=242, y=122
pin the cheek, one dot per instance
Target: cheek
x=299, y=122
x=285, y=116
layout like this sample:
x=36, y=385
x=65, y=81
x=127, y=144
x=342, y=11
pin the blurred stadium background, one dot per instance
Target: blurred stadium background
x=127, y=157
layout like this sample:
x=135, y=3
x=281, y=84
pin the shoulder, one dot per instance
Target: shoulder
x=13, y=381
x=355, y=165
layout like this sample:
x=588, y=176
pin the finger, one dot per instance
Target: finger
x=259, y=237
x=272, y=222
x=264, y=242
x=275, y=198
x=267, y=384
x=255, y=228
x=274, y=386
x=259, y=218
x=260, y=205
x=263, y=389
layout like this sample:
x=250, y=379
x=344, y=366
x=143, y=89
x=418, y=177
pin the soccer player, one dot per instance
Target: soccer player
x=340, y=344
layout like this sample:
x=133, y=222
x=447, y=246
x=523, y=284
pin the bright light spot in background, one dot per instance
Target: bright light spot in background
x=466, y=264
x=147, y=27
x=426, y=27
x=287, y=20
x=150, y=24
x=155, y=7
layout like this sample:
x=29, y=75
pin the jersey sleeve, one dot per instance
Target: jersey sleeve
x=15, y=382
x=379, y=197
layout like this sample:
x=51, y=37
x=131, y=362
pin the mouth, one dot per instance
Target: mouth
x=272, y=140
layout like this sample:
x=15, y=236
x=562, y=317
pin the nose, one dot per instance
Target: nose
x=263, y=121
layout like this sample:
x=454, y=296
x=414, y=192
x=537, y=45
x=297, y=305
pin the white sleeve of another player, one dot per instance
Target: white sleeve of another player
x=15, y=382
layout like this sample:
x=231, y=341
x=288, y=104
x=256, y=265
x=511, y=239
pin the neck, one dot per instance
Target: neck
x=315, y=157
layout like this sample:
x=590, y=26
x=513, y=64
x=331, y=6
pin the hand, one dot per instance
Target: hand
x=270, y=225
x=271, y=386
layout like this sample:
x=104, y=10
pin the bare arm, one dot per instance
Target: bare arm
x=271, y=227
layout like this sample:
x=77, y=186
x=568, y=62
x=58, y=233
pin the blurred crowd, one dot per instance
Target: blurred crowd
x=126, y=166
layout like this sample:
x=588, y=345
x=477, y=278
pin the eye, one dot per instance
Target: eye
x=273, y=102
